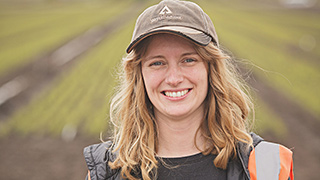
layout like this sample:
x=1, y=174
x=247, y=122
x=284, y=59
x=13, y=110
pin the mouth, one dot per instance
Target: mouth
x=175, y=94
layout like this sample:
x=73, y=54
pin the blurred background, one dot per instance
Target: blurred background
x=58, y=60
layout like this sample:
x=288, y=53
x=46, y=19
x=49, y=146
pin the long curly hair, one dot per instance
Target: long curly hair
x=225, y=120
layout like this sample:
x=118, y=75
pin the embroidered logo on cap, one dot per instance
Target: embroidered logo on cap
x=165, y=10
x=165, y=14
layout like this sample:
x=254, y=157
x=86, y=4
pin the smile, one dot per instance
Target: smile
x=175, y=94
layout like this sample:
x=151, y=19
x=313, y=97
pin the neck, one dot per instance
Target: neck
x=176, y=138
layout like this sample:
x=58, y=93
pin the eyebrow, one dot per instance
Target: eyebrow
x=154, y=57
x=161, y=56
x=189, y=53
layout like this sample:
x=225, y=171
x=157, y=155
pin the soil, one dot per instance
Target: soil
x=40, y=158
x=52, y=158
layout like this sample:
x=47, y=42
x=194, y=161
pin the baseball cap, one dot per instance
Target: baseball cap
x=183, y=18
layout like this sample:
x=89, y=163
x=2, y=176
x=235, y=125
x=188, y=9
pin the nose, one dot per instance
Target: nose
x=174, y=76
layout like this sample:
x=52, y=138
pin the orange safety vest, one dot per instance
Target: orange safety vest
x=270, y=161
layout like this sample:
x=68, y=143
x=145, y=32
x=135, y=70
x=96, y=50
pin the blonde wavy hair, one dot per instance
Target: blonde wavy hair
x=225, y=121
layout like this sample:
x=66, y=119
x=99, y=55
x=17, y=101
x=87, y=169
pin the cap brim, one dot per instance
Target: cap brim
x=189, y=33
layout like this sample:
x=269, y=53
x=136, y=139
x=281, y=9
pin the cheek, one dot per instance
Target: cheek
x=150, y=81
x=199, y=75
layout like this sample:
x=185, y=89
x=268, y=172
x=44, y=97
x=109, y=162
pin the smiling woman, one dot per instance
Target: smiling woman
x=175, y=78
x=181, y=111
x=176, y=82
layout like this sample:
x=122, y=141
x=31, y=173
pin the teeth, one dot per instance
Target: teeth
x=176, y=94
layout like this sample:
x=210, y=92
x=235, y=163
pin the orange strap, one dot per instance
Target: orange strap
x=286, y=163
x=252, y=165
x=89, y=178
x=270, y=161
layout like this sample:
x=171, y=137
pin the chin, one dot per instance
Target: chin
x=178, y=114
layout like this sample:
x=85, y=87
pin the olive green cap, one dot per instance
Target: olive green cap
x=182, y=18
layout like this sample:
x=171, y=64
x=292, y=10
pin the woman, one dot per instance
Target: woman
x=181, y=112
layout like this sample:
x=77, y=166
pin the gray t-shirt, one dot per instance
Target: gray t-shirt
x=190, y=168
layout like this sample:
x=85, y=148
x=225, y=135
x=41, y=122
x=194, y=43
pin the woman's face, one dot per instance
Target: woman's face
x=175, y=77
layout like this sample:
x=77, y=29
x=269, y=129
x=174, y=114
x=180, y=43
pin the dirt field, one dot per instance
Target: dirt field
x=40, y=158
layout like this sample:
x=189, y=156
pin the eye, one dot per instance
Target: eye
x=157, y=63
x=189, y=60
